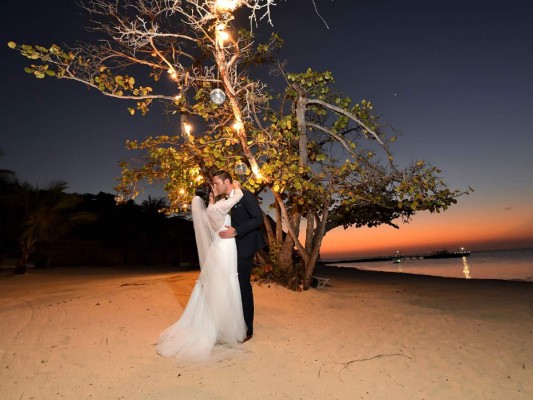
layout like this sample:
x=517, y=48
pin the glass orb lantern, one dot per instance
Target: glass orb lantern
x=217, y=96
x=241, y=169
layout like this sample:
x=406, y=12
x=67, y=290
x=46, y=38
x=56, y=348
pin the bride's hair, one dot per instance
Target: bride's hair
x=203, y=191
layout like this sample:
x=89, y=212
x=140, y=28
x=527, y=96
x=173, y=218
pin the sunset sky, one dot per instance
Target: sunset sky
x=455, y=78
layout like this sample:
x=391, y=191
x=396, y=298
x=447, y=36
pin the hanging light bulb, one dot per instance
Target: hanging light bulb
x=217, y=96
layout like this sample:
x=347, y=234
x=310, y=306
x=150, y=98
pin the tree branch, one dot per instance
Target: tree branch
x=339, y=138
x=348, y=115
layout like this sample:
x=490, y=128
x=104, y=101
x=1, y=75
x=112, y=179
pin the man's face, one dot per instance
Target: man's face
x=221, y=187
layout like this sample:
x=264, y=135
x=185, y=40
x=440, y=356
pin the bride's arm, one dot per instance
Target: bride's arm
x=225, y=205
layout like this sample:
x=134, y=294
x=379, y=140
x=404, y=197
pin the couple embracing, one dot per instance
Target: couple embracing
x=221, y=307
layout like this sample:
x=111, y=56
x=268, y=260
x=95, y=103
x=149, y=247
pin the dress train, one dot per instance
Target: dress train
x=214, y=311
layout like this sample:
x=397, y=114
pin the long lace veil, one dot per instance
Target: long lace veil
x=203, y=231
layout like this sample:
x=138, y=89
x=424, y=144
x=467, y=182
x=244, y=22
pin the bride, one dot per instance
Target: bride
x=214, y=311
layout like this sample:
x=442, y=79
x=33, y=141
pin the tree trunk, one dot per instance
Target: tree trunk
x=22, y=263
x=285, y=256
x=310, y=269
x=319, y=234
x=285, y=260
x=26, y=248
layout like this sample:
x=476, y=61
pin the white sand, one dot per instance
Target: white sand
x=88, y=333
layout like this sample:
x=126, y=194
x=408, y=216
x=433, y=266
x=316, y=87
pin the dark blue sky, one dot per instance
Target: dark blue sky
x=455, y=77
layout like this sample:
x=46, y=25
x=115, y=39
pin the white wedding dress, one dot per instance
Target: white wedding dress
x=213, y=314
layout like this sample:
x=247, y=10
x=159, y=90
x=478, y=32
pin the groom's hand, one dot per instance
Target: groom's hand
x=229, y=233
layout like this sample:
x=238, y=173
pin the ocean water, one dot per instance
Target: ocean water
x=495, y=264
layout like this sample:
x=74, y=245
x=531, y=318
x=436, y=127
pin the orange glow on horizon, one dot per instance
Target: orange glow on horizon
x=472, y=229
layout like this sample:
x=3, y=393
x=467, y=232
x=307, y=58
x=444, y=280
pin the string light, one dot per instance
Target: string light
x=187, y=128
x=226, y=5
x=221, y=35
x=255, y=170
x=172, y=73
x=238, y=126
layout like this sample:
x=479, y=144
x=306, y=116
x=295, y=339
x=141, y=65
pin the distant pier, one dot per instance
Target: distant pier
x=399, y=257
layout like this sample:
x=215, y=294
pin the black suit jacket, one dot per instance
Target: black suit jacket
x=247, y=218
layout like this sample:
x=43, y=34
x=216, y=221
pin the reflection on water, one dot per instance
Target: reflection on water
x=500, y=264
x=466, y=268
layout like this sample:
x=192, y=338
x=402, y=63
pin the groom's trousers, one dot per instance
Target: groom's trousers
x=244, y=268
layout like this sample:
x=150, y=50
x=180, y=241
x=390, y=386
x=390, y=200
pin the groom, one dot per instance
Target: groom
x=246, y=220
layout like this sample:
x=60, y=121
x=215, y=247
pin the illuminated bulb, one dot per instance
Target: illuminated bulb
x=187, y=128
x=182, y=191
x=256, y=172
x=217, y=96
x=199, y=178
x=172, y=73
x=178, y=97
x=238, y=126
x=226, y=5
x=223, y=35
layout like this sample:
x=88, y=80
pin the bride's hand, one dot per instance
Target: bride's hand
x=236, y=185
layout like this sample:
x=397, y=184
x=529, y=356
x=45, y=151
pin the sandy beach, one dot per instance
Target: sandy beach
x=89, y=333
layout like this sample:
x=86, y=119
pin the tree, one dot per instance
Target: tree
x=9, y=215
x=326, y=161
x=48, y=216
